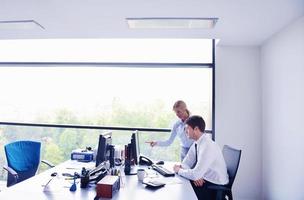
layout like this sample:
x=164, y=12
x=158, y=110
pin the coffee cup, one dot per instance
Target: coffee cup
x=141, y=174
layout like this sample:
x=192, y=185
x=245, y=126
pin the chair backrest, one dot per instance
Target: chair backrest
x=24, y=158
x=232, y=158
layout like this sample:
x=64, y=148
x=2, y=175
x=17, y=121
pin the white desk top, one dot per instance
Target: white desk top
x=131, y=189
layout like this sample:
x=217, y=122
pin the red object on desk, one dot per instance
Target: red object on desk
x=107, y=186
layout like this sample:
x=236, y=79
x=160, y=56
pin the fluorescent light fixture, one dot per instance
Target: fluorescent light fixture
x=171, y=23
x=20, y=25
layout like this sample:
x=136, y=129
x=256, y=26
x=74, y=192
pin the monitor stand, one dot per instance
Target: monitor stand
x=131, y=170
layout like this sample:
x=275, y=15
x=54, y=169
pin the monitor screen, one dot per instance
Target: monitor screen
x=103, y=146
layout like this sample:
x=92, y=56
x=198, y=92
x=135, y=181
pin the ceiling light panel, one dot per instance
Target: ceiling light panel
x=171, y=23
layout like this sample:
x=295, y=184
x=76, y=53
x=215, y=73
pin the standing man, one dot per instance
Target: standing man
x=204, y=164
x=182, y=112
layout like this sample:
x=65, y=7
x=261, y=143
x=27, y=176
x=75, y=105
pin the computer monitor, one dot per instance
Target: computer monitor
x=135, y=147
x=132, y=154
x=103, y=146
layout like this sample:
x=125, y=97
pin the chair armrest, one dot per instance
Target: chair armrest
x=51, y=165
x=12, y=172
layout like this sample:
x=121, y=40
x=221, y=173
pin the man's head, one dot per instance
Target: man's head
x=195, y=126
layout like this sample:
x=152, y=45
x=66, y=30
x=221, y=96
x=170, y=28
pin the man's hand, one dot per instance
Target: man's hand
x=176, y=168
x=152, y=143
x=199, y=182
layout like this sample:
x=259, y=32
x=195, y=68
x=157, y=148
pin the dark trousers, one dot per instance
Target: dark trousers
x=203, y=193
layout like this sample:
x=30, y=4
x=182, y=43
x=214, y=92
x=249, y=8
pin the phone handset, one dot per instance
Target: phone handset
x=143, y=160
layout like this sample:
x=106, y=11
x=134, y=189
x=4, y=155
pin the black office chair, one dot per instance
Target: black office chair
x=23, y=158
x=232, y=158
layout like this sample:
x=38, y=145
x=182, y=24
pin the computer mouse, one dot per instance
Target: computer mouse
x=160, y=162
x=54, y=174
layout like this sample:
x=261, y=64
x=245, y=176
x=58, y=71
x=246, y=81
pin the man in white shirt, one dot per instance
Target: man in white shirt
x=204, y=164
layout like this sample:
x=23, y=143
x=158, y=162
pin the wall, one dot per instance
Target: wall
x=238, y=114
x=282, y=59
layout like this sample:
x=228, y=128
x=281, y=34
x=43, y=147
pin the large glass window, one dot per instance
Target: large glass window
x=109, y=96
x=125, y=83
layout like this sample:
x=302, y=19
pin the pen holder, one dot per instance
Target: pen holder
x=85, y=178
x=84, y=181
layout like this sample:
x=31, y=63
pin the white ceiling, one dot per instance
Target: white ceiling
x=240, y=22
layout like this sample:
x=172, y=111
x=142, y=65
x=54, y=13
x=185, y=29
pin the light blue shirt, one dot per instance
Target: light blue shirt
x=178, y=129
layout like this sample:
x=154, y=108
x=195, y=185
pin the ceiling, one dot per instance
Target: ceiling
x=240, y=22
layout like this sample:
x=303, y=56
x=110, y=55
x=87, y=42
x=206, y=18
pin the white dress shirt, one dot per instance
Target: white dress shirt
x=177, y=130
x=210, y=164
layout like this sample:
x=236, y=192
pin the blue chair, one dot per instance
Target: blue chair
x=232, y=158
x=23, y=158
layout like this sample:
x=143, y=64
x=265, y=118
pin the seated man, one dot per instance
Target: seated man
x=204, y=164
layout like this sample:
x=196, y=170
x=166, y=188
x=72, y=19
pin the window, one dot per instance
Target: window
x=110, y=96
x=132, y=86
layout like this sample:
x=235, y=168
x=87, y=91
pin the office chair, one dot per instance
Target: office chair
x=23, y=158
x=232, y=158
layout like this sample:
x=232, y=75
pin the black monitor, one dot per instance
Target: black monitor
x=134, y=147
x=131, y=154
x=103, y=146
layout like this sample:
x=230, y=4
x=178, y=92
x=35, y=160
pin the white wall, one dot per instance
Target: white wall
x=282, y=59
x=238, y=114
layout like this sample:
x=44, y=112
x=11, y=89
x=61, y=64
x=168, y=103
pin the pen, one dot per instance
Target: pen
x=46, y=185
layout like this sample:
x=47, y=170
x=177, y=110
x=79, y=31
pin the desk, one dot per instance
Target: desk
x=176, y=188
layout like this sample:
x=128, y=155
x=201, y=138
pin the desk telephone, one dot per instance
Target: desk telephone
x=143, y=160
x=93, y=175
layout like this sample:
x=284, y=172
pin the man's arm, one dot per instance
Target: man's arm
x=187, y=162
x=198, y=182
x=205, y=158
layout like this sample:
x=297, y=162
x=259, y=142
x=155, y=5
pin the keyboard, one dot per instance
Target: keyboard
x=163, y=171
